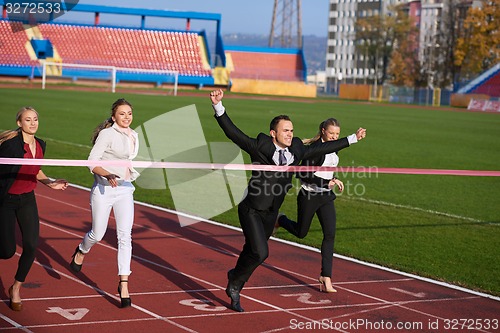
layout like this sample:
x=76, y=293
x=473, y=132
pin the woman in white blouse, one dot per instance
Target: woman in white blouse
x=113, y=140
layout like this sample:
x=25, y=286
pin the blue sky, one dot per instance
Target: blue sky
x=238, y=16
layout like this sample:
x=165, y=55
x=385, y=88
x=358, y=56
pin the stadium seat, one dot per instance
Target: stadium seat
x=266, y=66
x=490, y=87
x=12, y=45
x=131, y=48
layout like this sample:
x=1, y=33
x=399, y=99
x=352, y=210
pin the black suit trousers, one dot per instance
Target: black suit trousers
x=22, y=208
x=257, y=228
x=321, y=204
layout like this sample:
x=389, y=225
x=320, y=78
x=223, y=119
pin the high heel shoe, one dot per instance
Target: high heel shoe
x=15, y=306
x=125, y=301
x=277, y=224
x=73, y=265
x=325, y=285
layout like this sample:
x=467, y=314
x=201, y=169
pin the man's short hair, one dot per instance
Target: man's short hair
x=276, y=120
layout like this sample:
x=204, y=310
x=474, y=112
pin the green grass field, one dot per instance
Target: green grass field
x=443, y=227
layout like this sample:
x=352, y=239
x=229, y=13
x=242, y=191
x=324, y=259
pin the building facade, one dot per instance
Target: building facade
x=344, y=64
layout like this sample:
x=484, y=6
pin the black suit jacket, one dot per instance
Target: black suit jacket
x=13, y=148
x=267, y=189
x=309, y=177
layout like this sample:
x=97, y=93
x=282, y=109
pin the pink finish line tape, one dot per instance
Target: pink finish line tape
x=244, y=167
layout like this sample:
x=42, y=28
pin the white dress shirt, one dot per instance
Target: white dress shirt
x=288, y=155
x=331, y=160
x=113, y=144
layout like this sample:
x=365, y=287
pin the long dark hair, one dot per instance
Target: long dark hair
x=9, y=134
x=109, y=122
x=323, y=126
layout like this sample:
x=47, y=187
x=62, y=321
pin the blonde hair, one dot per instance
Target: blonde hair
x=109, y=122
x=323, y=126
x=9, y=134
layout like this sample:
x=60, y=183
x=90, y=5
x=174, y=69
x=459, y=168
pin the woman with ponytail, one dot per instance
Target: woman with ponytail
x=112, y=140
x=316, y=197
x=17, y=197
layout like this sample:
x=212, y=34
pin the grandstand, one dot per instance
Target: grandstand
x=24, y=48
x=128, y=48
x=274, y=71
x=266, y=63
x=488, y=83
x=13, y=54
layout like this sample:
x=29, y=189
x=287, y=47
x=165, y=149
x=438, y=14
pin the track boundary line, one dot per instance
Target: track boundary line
x=379, y=304
x=14, y=324
x=99, y=290
x=269, y=305
x=310, y=248
x=171, y=270
x=88, y=323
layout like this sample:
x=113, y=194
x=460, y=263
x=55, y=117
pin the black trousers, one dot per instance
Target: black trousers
x=257, y=228
x=23, y=209
x=321, y=204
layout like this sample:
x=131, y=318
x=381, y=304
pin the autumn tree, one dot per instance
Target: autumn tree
x=404, y=67
x=374, y=41
x=478, y=47
x=376, y=38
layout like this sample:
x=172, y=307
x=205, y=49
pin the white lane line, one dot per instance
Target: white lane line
x=165, y=267
x=272, y=306
x=68, y=143
x=418, y=295
x=413, y=276
x=418, y=209
x=14, y=324
x=80, y=323
x=102, y=292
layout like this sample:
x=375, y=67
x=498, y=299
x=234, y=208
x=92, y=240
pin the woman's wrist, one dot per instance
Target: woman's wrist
x=47, y=181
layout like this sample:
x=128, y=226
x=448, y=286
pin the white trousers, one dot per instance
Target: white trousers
x=103, y=198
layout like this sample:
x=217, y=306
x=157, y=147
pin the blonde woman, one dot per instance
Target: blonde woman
x=17, y=197
x=113, y=140
x=316, y=197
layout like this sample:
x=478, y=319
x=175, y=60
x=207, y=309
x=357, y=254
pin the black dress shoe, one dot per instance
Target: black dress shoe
x=73, y=265
x=233, y=291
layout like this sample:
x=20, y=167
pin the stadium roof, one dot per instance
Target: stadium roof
x=146, y=12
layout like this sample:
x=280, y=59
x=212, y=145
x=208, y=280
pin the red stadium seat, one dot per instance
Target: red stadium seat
x=132, y=48
x=12, y=45
x=266, y=66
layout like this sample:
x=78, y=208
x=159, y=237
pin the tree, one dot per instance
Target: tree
x=404, y=67
x=376, y=37
x=371, y=38
x=478, y=47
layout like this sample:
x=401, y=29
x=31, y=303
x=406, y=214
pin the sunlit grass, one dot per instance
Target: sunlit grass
x=443, y=227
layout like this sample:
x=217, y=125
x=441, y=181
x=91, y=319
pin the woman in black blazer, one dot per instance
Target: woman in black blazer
x=17, y=198
x=266, y=189
x=316, y=197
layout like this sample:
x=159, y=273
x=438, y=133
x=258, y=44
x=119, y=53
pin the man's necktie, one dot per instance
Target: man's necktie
x=282, y=158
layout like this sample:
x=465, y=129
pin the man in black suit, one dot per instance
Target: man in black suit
x=266, y=189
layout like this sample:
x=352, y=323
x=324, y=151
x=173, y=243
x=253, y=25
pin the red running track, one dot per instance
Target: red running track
x=179, y=277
